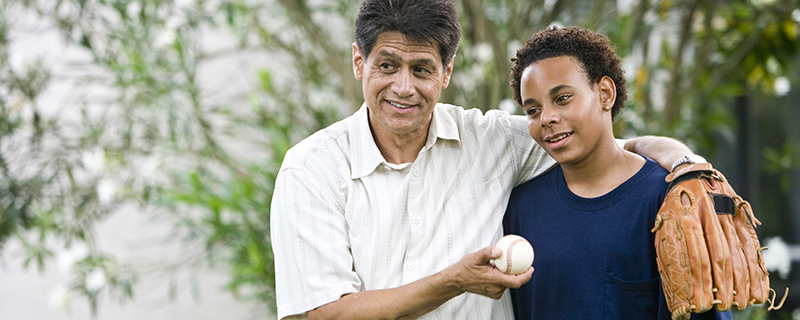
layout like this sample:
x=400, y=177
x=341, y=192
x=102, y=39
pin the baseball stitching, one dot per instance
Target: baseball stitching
x=509, y=252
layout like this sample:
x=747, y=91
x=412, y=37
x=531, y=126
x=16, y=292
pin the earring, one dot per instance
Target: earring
x=606, y=108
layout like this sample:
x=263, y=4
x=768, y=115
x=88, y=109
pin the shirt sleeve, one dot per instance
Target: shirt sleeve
x=308, y=230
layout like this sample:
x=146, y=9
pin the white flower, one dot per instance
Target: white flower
x=777, y=257
x=782, y=86
x=95, y=280
x=105, y=191
x=68, y=257
x=94, y=160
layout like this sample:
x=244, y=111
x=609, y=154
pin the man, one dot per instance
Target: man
x=589, y=218
x=389, y=213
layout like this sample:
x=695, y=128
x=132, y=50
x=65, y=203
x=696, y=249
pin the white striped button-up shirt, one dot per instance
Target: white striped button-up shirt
x=344, y=220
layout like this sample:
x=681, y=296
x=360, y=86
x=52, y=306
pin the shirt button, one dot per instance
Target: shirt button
x=415, y=221
x=410, y=267
x=414, y=173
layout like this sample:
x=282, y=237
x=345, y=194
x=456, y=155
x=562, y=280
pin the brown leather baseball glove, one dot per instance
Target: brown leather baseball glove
x=707, y=249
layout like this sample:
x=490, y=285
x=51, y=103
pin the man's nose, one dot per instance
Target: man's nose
x=403, y=83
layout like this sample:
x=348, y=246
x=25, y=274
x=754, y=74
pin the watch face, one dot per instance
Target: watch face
x=690, y=158
x=693, y=158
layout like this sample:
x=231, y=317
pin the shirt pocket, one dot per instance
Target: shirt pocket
x=630, y=299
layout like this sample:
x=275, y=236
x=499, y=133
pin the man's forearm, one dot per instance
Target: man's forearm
x=473, y=274
x=405, y=302
x=663, y=150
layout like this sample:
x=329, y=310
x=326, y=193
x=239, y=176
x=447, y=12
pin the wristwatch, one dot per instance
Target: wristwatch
x=689, y=158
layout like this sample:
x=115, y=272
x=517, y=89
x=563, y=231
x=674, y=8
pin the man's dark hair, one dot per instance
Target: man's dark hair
x=421, y=21
x=594, y=51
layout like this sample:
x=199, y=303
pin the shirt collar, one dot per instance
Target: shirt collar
x=443, y=125
x=365, y=155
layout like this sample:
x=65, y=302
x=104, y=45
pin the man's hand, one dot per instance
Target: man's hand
x=663, y=150
x=476, y=274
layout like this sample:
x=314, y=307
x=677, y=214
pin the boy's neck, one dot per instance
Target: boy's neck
x=607, y=169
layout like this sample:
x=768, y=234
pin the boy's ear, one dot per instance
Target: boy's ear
x=358, y=62
x=607, y=90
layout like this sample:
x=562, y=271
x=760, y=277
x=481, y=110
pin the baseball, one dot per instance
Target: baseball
x=517, y=254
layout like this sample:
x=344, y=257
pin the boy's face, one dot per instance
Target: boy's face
x=566, y=114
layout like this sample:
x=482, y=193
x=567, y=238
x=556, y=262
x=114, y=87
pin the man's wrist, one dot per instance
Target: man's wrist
x=687, y=159
x=447, y=279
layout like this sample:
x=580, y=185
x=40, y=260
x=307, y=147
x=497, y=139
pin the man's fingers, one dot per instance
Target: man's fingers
x=508, y=281
x=486, y=255
x=484, y=279
x=520, y=279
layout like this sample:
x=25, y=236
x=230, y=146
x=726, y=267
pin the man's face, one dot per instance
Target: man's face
x=565, y=113
x=401, y=82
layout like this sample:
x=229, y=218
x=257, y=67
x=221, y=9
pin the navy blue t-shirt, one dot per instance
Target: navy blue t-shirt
x=594, y=258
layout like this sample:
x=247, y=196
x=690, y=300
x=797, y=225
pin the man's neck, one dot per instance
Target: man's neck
x=399, y=149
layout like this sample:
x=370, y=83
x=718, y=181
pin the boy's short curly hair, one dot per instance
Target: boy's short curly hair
x=594, y=51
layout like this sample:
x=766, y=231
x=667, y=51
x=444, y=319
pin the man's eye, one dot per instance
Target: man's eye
x=421, y=70
x=562, y=98
x=532, y=111
x=386, y=66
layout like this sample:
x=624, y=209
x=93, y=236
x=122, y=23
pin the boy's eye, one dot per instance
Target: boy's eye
x=563, y=98
x=532, y=111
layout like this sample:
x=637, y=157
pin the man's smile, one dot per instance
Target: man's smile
x=401, y=106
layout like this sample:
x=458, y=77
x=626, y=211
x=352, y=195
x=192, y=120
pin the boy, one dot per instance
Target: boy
x=589, y=218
